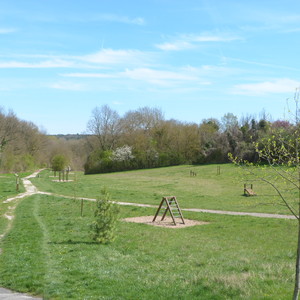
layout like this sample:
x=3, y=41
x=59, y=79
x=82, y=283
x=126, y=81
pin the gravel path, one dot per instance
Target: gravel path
x=6, y=294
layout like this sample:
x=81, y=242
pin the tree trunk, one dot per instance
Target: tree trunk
x=297, y=274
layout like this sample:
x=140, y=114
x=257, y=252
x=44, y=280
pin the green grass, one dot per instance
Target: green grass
x=7, y=190
x=207, y=190
x=49, y=252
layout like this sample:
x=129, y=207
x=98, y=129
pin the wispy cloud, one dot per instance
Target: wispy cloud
x=89, y=75
x=162, y=77
x=101, y=59
x=119, y=19
x=189, y=41
x=66, y=85
x=260, y=64
x=175, y=46
x=158, y=77
x=282, y=85
x=7, y=30
x=110, y=56
x=57, y=63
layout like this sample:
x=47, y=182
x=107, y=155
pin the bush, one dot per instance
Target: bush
x=106, y=215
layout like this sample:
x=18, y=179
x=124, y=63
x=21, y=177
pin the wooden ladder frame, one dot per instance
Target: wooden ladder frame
x=171, y=206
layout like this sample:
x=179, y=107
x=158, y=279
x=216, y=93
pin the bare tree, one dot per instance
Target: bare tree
x=144, y=118
x=105, y=125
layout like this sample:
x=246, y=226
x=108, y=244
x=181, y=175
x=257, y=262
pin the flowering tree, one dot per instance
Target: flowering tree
x=122, y=154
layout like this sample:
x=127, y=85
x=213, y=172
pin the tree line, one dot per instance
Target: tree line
x=23, y=147
x=140, y=138
x=144, y=139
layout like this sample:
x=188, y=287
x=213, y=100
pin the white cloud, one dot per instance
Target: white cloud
x=88, y=75
x=283, y=85
x=110, y=56
x=189, y=41
x=65, y=85
x=161, y=77
x=57, y=63
x=175, y=46
x=102, y=59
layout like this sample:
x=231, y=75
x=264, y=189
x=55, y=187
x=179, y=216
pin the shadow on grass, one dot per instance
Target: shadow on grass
x=70, y=242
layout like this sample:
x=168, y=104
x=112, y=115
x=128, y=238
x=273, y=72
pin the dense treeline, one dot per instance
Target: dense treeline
x=144, y=139
x=139, y=139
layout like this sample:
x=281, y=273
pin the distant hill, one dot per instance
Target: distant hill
x=70, y=136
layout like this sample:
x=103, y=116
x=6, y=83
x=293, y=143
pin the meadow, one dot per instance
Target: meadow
x=207, y=190
x=49, y=251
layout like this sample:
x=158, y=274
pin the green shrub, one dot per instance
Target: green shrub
x=106, y=215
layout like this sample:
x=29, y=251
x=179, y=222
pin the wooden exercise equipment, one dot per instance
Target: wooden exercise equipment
x=171, y=206
x=248, y=191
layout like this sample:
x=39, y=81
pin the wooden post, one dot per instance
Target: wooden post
x=81, y=208
x=17, y=182
x=75, y=186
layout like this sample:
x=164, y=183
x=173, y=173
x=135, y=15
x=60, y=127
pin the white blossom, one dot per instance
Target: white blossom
x=122, y=154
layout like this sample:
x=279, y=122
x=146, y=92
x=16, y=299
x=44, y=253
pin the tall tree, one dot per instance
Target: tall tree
x=105, y=125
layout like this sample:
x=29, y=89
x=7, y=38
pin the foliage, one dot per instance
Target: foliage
x=59, y=162
x=106, y=214
x=154, y=141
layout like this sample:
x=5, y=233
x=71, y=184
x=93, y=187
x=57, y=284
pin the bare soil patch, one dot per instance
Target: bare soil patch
x=167, y=222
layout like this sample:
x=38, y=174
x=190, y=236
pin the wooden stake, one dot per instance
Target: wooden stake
x=81, y=209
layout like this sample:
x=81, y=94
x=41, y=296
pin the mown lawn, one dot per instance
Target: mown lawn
x=207, y=190
x=49, y=252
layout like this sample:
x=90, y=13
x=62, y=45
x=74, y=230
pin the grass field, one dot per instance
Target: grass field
x=49, y=250
x=207, y=190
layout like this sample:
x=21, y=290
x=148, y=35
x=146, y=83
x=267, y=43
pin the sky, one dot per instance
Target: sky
x=193, y=59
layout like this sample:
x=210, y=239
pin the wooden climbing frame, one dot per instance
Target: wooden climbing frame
x=171, y=206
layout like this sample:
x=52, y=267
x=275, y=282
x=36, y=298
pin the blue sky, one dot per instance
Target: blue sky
x=193, y=59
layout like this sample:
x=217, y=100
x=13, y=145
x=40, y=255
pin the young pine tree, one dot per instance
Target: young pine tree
x=106, y=215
